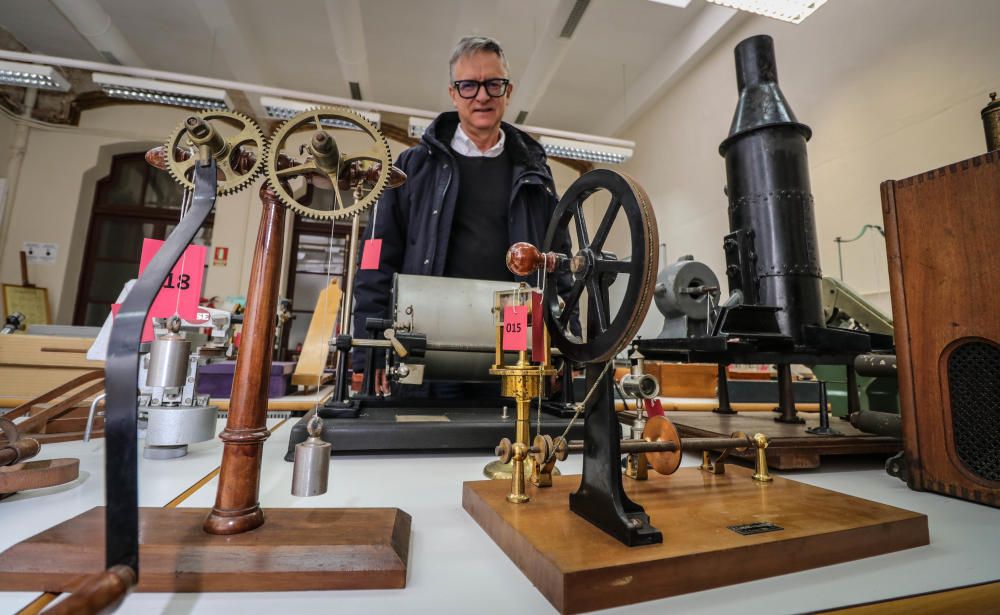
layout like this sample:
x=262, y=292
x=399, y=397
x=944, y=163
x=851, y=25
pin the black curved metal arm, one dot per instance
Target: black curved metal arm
x=121, y=375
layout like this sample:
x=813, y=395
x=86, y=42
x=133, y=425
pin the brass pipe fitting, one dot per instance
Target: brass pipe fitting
x=761, y=474
x=517, y=495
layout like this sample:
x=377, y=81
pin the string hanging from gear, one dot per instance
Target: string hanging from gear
x=367, y=174
x=233, y=139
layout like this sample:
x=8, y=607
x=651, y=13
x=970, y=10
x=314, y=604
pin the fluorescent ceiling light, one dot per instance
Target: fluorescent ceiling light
x=418, y=125
x=581, y=150
x=793, y=11
x=284, y=108
x=681, y=4
x=32, y=76
x=555, y=146
x=162, y=92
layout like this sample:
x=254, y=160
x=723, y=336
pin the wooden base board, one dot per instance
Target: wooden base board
x=790, y=446
x=580, y=568
x=296, y=549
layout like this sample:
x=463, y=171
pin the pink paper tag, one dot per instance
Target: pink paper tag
x=515, y=327
x=370, y=254
x=181, y=291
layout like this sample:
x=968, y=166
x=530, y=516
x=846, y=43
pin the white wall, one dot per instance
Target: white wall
x=890, y=88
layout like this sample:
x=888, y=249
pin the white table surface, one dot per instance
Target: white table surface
x=455, y=567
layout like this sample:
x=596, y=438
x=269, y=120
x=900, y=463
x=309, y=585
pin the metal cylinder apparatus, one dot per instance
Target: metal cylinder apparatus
x=771, y=219
x=168, y=361
x=642, y=386
x=452, y=311
x=311, y=472
x=683, y=294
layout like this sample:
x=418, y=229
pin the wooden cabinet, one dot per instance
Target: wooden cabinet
x=943, y=237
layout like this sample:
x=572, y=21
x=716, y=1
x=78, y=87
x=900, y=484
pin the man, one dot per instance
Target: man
x=475, y=185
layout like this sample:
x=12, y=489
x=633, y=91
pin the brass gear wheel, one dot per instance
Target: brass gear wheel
x=331, y=166
x=225, y=150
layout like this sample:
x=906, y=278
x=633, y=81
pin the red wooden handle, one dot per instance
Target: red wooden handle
x=524, y=259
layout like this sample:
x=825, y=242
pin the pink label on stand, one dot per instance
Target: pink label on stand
x=515, y=327
x=181, y=291
x=370, y=254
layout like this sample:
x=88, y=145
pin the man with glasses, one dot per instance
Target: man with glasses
x=475, y=185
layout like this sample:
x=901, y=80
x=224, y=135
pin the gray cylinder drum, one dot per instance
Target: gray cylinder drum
x=175, y=425
x=453, y=311
x=669, y=294
x=168, y=362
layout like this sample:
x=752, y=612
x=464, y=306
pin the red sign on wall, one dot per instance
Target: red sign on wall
x=220, y=256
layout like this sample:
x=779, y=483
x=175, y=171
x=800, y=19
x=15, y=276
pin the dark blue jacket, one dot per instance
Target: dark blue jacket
x=414, y=220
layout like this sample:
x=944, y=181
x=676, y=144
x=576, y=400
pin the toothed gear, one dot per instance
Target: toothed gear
x=231, y=180
x=320, y=118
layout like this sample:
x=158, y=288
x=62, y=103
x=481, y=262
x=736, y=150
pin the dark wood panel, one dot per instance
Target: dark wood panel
x=942, y=227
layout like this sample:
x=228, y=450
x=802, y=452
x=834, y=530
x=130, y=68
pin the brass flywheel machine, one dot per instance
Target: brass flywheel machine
x=605, y=332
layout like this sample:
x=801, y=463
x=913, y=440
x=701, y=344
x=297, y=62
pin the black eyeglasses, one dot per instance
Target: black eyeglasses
x=469, y=88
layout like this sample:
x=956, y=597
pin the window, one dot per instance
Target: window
x=134, y=202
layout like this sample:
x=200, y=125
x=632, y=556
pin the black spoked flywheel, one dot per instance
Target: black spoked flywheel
x=603, y=334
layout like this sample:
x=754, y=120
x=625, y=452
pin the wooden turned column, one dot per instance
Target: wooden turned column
x=236, y=505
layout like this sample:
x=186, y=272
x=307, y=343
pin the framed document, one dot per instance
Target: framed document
x=32, y=301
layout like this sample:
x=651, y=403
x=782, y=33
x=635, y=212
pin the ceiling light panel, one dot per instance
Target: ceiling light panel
x=792, y=11
x=162, y=92
x=32, y=76
x=284, y=108
x=581, y=150
x=681, y=4
x=417, y=126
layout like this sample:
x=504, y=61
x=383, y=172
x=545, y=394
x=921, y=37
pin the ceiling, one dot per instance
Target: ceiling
x=622, y=55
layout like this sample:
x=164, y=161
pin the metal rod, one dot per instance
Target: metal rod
x=90, y=416
x=786, y=396
x=352, y=251
x=723, y=392
x=363, y=343
x=691, y=444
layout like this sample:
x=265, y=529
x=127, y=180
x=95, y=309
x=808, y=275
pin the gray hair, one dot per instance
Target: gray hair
x=470, y=45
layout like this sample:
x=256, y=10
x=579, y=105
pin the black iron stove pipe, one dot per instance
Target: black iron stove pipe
x=770, y=198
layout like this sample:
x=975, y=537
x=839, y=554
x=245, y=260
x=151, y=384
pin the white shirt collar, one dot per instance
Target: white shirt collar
x=463, y=145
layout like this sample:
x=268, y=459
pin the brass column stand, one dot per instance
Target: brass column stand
x=522, y=381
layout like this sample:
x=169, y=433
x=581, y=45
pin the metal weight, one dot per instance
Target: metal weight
x=311, y=472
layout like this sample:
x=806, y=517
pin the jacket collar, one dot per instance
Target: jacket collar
x=523, y=149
